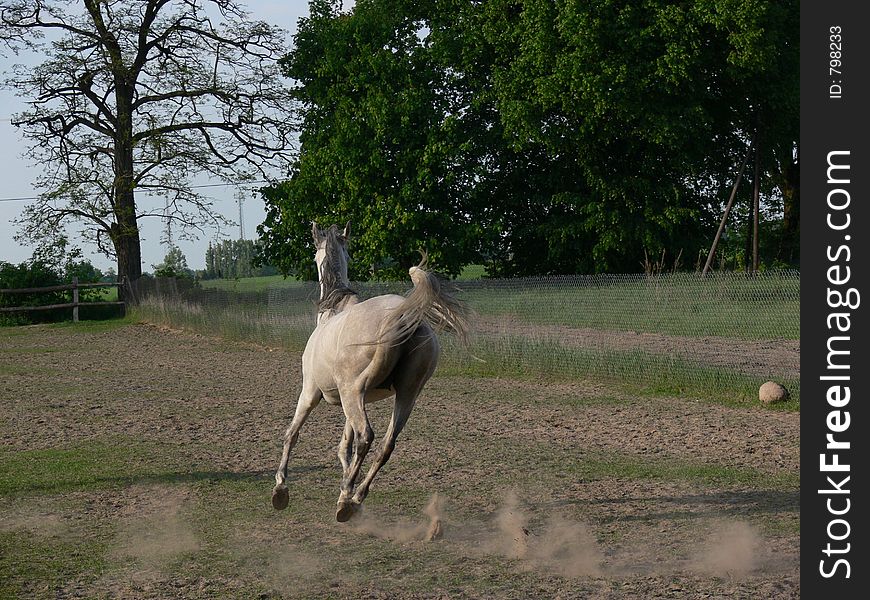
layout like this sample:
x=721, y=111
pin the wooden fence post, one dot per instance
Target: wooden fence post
x=712, y=253
x=75, y=291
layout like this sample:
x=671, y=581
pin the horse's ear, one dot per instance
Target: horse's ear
x=316, y=234
x=346, y=233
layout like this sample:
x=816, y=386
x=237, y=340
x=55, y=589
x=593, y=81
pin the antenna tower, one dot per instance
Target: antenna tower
x=169, y=239
x=240, y=197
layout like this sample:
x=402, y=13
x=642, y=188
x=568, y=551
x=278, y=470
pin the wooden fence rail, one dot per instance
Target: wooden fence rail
x=75, y=286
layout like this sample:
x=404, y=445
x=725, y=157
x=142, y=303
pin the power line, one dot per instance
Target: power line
x=208, y=185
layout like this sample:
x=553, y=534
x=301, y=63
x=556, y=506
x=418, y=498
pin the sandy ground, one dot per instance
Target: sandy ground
x=518, y=475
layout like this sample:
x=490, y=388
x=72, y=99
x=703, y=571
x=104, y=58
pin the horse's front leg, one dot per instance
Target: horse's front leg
x=354, y=409
x=308, y=400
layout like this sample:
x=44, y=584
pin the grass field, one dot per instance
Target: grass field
x=137, y=463
x=255, y=284
x=249, y=284
x=733, y=306
x=722, y=336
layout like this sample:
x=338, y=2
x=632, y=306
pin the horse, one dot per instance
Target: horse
x=364, y=351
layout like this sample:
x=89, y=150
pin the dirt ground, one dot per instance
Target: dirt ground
x=540, y=489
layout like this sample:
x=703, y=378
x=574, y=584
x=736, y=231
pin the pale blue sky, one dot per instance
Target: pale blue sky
x=17, y=175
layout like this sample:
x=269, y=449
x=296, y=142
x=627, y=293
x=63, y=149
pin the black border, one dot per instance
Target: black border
x=831, y=124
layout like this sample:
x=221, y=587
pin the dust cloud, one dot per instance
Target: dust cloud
x=39, y=524
x=731, y=550
x=561, y=546
x=551, y=541
x=511, y=539
x=565, y=547
x=404, y=531
x=157, y=534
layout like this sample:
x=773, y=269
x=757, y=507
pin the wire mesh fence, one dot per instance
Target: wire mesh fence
x=725, y=333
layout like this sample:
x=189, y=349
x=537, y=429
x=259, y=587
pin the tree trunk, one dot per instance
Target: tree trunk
x=789, y=249
x=126, y=235
x=128, y=251
x=747, y=246
x=756, y=207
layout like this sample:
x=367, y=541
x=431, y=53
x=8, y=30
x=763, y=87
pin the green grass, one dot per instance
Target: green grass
x=96, y=326
x=103, y=294
x=35, y=566
x=25, y=370
x=249, y=284
x=676, y=305
x=244, y=322
x=88, y=465
x=765, y=307
x=470, y=272
x=636, y=371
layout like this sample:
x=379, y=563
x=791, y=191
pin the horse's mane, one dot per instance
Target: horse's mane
x=334, y=290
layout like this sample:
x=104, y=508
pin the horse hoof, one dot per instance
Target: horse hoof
x=345, y=511
x=280, y=497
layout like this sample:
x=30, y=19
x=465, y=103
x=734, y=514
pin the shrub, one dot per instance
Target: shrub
x=39, y=273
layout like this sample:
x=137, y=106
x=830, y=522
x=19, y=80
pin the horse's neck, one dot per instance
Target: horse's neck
x=324, y=315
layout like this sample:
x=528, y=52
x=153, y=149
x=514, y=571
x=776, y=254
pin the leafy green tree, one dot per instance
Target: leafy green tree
x=642, y=111
x=174, y=265
x=233, y=259
x=537, y=136
x=135, y=97
x=53, y=263
x=377, y=145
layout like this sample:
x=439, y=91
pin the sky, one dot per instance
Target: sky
x=17, y=174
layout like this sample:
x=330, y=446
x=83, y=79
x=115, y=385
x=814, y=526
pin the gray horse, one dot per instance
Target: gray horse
x=366, y=351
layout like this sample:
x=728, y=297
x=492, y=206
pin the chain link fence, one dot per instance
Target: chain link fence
x=725, y=334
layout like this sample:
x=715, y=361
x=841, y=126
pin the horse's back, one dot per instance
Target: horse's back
x=346, y=347
x=360, y=323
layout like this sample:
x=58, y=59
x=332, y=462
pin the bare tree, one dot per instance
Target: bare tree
x=138, y=96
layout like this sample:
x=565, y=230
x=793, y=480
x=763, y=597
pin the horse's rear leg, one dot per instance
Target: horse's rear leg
x=308, y=400
x=402, y=408
x=345, y=448
x=411, y=374
x=354, y=410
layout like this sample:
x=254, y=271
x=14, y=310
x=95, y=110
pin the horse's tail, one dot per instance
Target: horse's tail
x=430, y=301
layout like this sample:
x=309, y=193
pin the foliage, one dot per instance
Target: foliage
x=234, y=259
x=51, y=264
x=134, y=98
x=174, y=265
x=377, y=146
x=28, y=274
x=535, y=137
